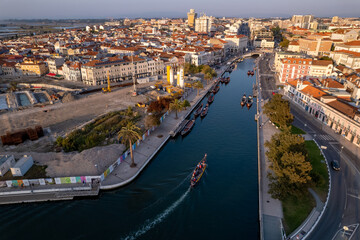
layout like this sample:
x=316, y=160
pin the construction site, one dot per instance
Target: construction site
x=55, y=112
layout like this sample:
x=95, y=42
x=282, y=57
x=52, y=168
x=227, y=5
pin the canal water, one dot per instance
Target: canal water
x=159, y=203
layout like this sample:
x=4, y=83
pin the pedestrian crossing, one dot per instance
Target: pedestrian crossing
x=325, y=137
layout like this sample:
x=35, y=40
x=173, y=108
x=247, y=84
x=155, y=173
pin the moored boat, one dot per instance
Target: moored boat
x=188, y=127
x=227, y=80
x=216, y=89
x=243, y=100
x=252, y=73
x=198, y=110
x=204, y=111
x=222, y=80
x=249, y=101
x=211, y=98
x=198, y=172
x=249, y=72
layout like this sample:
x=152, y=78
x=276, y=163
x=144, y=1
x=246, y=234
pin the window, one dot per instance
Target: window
x=299, y=62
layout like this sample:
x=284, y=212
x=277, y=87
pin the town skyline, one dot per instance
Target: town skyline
x=112, y=9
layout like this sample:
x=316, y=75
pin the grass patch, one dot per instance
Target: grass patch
x=296, y=130
x=296, y=209
x=101, y=132
x=36, y=171
x=319, y=173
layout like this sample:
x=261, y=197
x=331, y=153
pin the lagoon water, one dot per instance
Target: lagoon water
x=159, y=204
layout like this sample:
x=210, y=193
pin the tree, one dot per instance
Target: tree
x=290, y=167
x=152, y=120
x=129, y=134
x=284, y=43
x=278, y=110
x=198, y=85
x=176, y=106
x=186, y=104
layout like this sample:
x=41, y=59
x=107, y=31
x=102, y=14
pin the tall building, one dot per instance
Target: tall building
x=191, y=18
x=302, y=21
x=335, y=19
x=203, y=24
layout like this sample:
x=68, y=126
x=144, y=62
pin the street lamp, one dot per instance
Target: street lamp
x=97, y=168
x=345, y=228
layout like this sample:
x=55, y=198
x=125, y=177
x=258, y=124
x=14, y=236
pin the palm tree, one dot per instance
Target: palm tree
x=176, y=106
x=198, y=85
x=129, y=133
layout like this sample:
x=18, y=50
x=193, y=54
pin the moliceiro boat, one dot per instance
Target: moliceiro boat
x=249, y=101
x=216, y=89
x=198, y=172
x=198, y=110
x=189, y=125
x=227, y=80
x=211, y=98
x=243, y=100
x=205, y=111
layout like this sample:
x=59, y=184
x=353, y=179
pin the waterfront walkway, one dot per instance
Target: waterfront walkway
x=270, y=209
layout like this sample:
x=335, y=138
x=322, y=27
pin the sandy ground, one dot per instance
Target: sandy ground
x=62, y=118
x=77, y=164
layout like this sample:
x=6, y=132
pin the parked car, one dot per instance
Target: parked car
x=335, y=165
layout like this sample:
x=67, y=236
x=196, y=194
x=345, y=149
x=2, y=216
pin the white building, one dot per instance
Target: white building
x=203, y=24
x=6, y=162
x=237, y=43
x=22, y=166
x=54, y=63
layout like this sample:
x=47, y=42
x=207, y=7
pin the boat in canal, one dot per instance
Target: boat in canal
x=222, y=80
x=252, y=73
x=249, y=101
x=216, y=89
x=205, y=111
x=227, y=80
x=211, y=98
x=188, y=126
x=198, y=110
x=243, y=100
x=198, y=172
x=249, y=73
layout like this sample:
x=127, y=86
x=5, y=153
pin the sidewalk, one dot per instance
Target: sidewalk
x=271, y=208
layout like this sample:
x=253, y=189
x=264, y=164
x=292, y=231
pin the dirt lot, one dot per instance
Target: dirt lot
x=61, y=118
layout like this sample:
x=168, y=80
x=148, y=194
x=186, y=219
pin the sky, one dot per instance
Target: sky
x=51, y=9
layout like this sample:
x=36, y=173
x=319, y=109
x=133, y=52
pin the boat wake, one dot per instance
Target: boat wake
x=158, y=219
x=186, y=179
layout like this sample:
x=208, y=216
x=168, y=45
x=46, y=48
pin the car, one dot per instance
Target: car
x=335, y=165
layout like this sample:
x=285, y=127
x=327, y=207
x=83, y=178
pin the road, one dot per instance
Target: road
x=344, y=203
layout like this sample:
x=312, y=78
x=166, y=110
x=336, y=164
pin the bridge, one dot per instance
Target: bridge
x=253, y=54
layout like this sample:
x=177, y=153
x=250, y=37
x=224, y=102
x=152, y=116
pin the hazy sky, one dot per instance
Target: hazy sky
x=35, y=9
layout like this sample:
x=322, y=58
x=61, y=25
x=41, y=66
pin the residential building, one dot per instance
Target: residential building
x=191, y=18
x=119, y=69
x=33, y=67
x=72, y=71
x=302, y=21
x=339, y=115
x=279, y=56
x=345, y=35
x=203, y=24
x=11, y=69
x=353, y=46
x=294, y=46
x=321, y=68
x=349, y=59
x=294, y=68
x=315, y=47
x=54, y=64
x=237, y=43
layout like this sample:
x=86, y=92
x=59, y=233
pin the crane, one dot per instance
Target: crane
x=108, y=89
